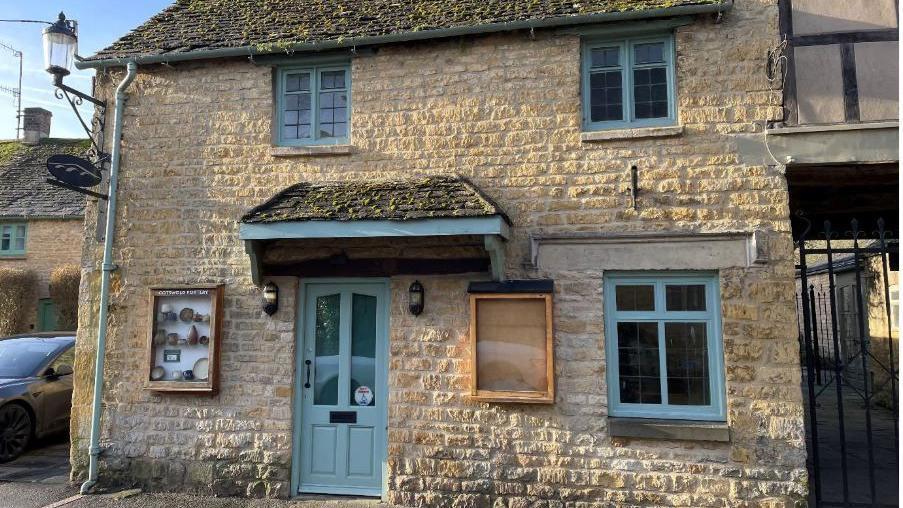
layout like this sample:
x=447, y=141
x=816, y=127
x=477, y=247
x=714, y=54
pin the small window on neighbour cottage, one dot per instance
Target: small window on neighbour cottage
x=663, y=346
x=511, y=347
x=12, y=239
x=313, y=105
x=628, y=83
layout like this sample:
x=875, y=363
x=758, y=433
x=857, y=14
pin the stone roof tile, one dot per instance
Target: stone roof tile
x=196, y=25
x=398, y=200
x=23, y=191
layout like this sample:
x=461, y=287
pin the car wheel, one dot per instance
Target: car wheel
x=16, y=429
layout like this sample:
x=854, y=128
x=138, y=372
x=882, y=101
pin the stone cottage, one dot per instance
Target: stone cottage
x=486, y=253
x=41, y=226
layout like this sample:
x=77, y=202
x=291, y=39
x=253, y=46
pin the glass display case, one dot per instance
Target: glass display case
x=183, y=342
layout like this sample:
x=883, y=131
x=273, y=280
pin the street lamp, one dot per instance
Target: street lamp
x=60, y=45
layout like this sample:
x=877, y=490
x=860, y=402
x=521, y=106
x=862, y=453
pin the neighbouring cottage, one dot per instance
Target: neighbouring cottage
x=449, y=254
x=41, y=226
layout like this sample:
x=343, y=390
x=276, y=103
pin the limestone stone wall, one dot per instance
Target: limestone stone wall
x=49, y=243
x=504, y=111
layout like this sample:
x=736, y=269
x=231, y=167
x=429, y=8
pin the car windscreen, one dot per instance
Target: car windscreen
x=21, y=357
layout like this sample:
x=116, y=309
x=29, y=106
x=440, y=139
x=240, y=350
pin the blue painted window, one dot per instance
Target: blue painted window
x=628, y=83
x=314, y=105
x=12, y=239
x=663, y=345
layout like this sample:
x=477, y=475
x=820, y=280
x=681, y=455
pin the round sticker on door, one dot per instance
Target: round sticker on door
x=363, y=396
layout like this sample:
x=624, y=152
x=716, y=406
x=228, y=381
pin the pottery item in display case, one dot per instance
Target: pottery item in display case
x=201, y=369
x=193, y=335
x=172, y=339
x=186, y=315
x=157, y=373
x=177, y=375
x=204, y=340
x=188, y=375
x=166, y=308
x=160, y=337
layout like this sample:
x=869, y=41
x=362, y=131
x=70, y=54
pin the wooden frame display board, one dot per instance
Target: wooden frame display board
x=183, y=342
x=511, y=349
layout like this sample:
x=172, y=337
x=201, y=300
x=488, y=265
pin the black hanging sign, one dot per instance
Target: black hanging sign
x=73, y=170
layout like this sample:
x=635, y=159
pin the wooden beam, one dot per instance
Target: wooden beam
x=889, y=34
x=378, y=267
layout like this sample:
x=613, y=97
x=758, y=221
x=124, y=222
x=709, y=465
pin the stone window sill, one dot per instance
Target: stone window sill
x=682, y=430
x=310, y=150
x=643, y=132
x=13, y=256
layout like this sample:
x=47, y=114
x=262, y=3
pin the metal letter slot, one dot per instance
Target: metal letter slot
x=342, y=417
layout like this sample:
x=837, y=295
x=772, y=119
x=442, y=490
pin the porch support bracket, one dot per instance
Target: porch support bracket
x=254, y=250
x=496, y=249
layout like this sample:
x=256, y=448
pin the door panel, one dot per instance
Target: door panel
x=343, y=428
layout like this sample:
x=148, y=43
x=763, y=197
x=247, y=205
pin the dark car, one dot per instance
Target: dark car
x=35, y=388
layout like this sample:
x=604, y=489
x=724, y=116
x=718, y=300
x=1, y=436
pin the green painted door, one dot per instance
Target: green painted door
x=47, y=315
x=343, y=389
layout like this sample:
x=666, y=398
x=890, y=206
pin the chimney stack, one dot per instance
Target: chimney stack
x=35, y=125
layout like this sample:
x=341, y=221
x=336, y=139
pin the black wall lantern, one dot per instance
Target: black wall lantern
x=415, y=298
x=270, y=298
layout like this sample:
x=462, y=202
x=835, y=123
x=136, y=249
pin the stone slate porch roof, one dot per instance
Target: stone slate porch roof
x=428, y=197
x=271, y=26
x=23, y=191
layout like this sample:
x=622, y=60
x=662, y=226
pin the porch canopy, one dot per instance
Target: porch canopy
x=433, y=224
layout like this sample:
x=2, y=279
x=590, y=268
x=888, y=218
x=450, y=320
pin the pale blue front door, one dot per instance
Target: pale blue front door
x=343, y=388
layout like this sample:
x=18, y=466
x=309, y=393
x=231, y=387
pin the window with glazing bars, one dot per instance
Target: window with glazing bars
x=314, y=105
x=628, y=83
x=12, y=239
x=663, y=346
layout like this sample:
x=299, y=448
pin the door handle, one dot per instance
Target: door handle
x=307, y=383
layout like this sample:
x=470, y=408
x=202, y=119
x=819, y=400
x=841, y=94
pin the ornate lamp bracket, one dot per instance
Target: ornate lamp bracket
x=95, y=131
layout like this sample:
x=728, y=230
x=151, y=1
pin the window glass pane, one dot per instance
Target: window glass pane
x=333, y=112
x=326, y=348
x=685, y=297
x=20, y=243
x=649, y=53
x=511, y=345
x=296, y=117
x=330, y=80
x=635, y=298
x=605, y=57
x=686, y=347
x=638, y=362
x=297, y=82
x=650, y=93
x=605, y=95
x=363, y=346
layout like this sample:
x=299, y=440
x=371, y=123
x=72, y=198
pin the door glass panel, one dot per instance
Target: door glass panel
x=638, y=363
x=687, y=353
x=326, y=361
x=685, y=297
x=635, y=298
x=363, y=350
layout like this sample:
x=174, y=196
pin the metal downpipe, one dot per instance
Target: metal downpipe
x=108, y=267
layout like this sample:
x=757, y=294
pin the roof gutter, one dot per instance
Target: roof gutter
x=561, y=21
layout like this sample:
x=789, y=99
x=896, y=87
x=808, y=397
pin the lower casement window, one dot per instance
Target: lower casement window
x=663, y=345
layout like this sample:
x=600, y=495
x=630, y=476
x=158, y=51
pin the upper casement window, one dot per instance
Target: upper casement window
x=313, y=105
x=663, y=346
x=12, y=239
x=628, y=83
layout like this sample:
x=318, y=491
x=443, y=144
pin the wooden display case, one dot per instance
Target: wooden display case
x=183, y=342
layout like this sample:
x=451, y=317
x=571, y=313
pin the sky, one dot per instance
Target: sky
x=100, y=22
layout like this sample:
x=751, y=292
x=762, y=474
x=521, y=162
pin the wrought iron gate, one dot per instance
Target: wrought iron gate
x=847, y=304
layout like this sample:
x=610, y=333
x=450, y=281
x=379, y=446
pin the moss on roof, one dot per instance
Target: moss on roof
x=410, y=199
x=23, y=168
x=275, y=25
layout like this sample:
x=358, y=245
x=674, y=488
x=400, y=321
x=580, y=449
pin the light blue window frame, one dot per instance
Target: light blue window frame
x=715, y=411
x=13, y=228
x=315, y=72
x=627, y=66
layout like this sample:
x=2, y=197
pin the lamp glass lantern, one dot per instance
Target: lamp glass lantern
x=270, y=298
x=60, y=45
x=415, y=298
